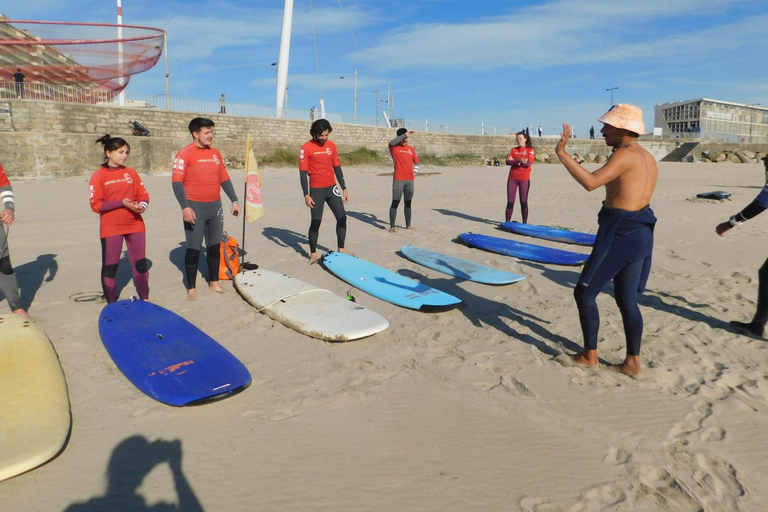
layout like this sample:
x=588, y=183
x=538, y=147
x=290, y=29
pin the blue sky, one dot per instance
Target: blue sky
x=507, y=64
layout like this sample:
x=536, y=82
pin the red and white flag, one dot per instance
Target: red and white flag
x=254, y=207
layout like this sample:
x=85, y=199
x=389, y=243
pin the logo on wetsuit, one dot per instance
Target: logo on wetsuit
x=336, y=191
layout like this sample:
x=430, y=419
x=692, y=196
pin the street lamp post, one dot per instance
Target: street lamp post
x=355, y=87
x=611, y=89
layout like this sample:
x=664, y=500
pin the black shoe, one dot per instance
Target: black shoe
x=751, y=327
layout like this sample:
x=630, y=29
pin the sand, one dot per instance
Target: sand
x=464, y=410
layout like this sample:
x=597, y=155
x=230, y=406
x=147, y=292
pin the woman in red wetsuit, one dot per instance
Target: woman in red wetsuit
x=119, y=197
x=519, y=161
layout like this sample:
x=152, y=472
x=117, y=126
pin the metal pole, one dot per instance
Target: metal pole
x=389, y=116
x=282, y=59
x=611, y=91
x=355, y=113
x=167, y=74
x=376, y=110
x=120, y=80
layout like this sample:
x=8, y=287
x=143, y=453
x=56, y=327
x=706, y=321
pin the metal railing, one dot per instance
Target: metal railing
x=88, y=95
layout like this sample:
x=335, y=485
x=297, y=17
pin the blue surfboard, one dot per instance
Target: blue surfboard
x=167, y=357
x=385, y=284
x=524, y=251
x=546, y=233
x=457, y=267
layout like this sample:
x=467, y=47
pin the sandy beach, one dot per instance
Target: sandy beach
x=462, y=410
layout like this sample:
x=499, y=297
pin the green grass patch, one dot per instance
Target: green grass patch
x=362, y=156
x=457, y=159
x=282, y=157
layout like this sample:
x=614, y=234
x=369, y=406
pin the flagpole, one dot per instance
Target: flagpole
x=245, y=197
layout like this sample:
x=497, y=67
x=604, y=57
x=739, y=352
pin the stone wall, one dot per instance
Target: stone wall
x=49, y=140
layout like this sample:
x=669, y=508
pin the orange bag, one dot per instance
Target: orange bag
x=229, y=265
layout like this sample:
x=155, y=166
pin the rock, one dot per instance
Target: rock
x=747, y=153
x=744, y=158
x=689, y=158
x=718, y=156
x=733, y=158
x=542, y=157
x=591, y=157
x=705, y=153
x=601, y=159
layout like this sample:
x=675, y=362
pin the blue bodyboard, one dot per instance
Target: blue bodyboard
x=524, y=251
x=167, y=357
x=385, y=284
x=458, y=267
x=547, y=233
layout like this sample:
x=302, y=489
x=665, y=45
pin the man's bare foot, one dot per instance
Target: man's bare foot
x=341, y=249
x=586, y=358
x=392, y=230
x=411, y=227
x=313, y=258
x=20, y=312
x=191, y=294
x=214, y=286
x=630, y=366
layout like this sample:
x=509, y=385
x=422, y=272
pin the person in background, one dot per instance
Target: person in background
x=520, y=159
x=406, y=163
x=118, y=195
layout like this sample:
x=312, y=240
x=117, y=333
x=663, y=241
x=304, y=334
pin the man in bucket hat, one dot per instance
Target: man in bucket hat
x=624, y=243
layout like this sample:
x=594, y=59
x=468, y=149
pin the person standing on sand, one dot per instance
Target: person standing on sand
x=519, y=160
x=117, y=194
x=198, y=173
x=624, y=244
x=406, y=163
x=760, y=318
x=9, y=286
x=319, y=169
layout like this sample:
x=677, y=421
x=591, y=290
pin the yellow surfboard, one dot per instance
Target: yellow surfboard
x=34, y=403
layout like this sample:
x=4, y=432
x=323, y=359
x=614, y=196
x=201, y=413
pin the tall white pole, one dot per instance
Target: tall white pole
x=167, y=74
x=120, y=80
x=388, y=111
x=355, y=111
x=282, y=59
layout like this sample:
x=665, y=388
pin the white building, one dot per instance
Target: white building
x=712, y=119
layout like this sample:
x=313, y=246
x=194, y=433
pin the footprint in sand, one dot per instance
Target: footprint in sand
x=514, y=387
x=692, y=421
x=719, y=477
x=713, y=434
x=538, y=505
x=617, y=456
x=668, y=492
x=601, y=497
x=276, y=415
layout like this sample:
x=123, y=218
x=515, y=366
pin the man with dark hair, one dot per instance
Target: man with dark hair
x=198, y=174
x=9, y=286
x=18, y=77
x=319, y=170
x=406, y=164
x=624, y=243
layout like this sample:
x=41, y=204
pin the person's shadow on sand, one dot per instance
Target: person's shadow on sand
x=33, y=275
x=292, y=239
x=130, y=463
x=464, y=216
x=177, y=258
x=485, y=312
x=369, y=218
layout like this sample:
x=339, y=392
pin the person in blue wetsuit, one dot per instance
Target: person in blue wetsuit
x=753, y=209
x=624, y=243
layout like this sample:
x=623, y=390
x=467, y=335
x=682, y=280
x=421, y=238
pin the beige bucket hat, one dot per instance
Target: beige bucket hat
x=626, y=116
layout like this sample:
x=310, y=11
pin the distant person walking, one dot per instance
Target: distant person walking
x=757, y=325
x=313, y=114
x=18, y=77
x=624, y=243
x=540, y=130
x=520, y=159
x=591, y=132
x=9, y=286
x=118, y=195
x=199, y=175
x=223, y=104
x=319, y=170
x=406, y=163
x=677, y=141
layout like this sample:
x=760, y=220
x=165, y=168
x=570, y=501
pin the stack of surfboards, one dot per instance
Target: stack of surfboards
x=533, y=252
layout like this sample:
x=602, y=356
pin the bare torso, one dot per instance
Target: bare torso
x=633, y=187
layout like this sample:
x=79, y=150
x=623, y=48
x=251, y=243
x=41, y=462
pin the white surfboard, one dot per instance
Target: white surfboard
x=34, y=405
x=307, y=309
